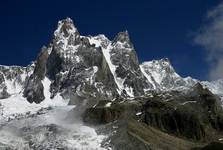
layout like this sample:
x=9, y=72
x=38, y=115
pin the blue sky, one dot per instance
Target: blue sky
x=157, y=28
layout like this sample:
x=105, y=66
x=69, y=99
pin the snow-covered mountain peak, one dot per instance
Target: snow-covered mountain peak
x=65, y=28
x=159, y=69
x=66, y=36
x=157, y=65
x=163, y=76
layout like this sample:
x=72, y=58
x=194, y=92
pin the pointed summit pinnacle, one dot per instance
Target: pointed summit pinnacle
x=122, y=37
x=65, y=28
x=66, y=35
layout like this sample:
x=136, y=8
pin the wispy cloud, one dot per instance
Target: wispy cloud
x=210, y=36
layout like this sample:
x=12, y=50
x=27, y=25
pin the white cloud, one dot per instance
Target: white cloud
x=211, y=37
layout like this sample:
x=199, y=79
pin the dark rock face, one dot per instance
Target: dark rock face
x=190, y=116
x=127, y=130
x=179, y=121
x=54, y=65
x=104, y=112
x=101, y=115
x=4, y=94
x=34, y=88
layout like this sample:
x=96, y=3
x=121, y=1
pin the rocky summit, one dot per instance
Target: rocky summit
x=90, y=92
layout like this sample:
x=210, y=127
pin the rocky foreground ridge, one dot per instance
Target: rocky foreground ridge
x=143, y=106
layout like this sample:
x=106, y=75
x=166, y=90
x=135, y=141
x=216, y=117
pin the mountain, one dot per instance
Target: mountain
x=163, y=76
x=95, y=66
x=106, y=86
